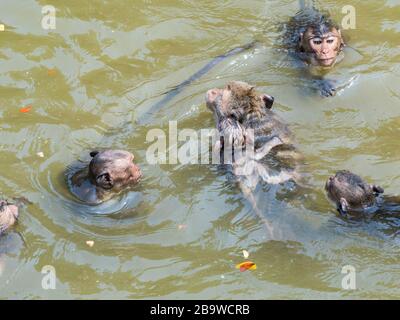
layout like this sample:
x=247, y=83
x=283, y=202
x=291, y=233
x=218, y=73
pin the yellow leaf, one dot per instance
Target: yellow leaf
x=247, y=265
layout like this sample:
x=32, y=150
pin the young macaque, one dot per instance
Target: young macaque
x=352, y=194
x=245, y=122
x=109, y=172
x=313, y=37
x=8, y=215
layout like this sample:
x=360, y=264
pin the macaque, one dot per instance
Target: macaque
x=245, y=121
x=8, y=215
x=314, y=38
x=109, y=172
x=243, y=116
x=352, y=194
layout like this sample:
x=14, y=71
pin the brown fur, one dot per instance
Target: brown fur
x=8, y=215
x=109, y=172
x=239, y=108
x=350, y=192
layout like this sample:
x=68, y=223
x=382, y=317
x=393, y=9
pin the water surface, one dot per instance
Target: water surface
x=182, y=231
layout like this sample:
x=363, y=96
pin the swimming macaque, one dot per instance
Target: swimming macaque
x=352, y=194
x=8, y=215
x=109, y=172
x=313, y=37
x=245, y=122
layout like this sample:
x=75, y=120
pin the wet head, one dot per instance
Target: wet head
x=109, y=171
x=236, y=99
x=349, y=191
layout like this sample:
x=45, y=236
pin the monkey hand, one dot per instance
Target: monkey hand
x=327, y=87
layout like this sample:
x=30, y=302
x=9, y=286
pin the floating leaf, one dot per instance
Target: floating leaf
x=25, y=109
x=51, y=72
x=245, y=254
x=247, y=265
x=40, y=154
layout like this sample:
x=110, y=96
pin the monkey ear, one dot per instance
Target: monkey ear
x=342, y=44
x=301, y=41
x=377, y=189
x=343, y=207
x=93, y=153
x=268, y=101
x=105, y=181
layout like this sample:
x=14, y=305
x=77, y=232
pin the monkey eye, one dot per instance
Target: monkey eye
x=330, y=41
x=317, y=41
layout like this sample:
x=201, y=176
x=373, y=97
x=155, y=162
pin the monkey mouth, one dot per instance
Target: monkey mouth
x=326, y=61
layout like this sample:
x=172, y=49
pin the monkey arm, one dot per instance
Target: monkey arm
x=265, y=149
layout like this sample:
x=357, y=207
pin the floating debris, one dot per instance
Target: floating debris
x=40, y=154
x=25, y=109
x=90, y=243
x=51, y=72
x=245, y=254
x=247, y=265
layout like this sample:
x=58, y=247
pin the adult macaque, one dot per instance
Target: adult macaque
x=313, y=37
x=109, y=172
x=245, y=121
x=352, y=194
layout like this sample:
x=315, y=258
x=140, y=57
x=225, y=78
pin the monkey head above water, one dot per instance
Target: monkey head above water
x=109, y=172
x=315, y=36
x=312, y=37
x=244, y=121
x=230, y=105
x=321, y=42
x=350, y=192
x=8, y=215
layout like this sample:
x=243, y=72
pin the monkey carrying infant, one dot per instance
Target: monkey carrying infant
x=260, y=143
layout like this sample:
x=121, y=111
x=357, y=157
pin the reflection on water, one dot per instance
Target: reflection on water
x=181, y=233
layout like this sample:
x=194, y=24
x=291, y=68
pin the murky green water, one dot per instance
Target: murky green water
x=181, y=233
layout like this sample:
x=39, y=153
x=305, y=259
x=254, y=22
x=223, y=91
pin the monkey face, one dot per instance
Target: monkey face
x=113, y=169
x=323, y=47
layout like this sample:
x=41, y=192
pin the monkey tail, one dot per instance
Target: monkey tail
x=250, y=196
x=176, y=90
